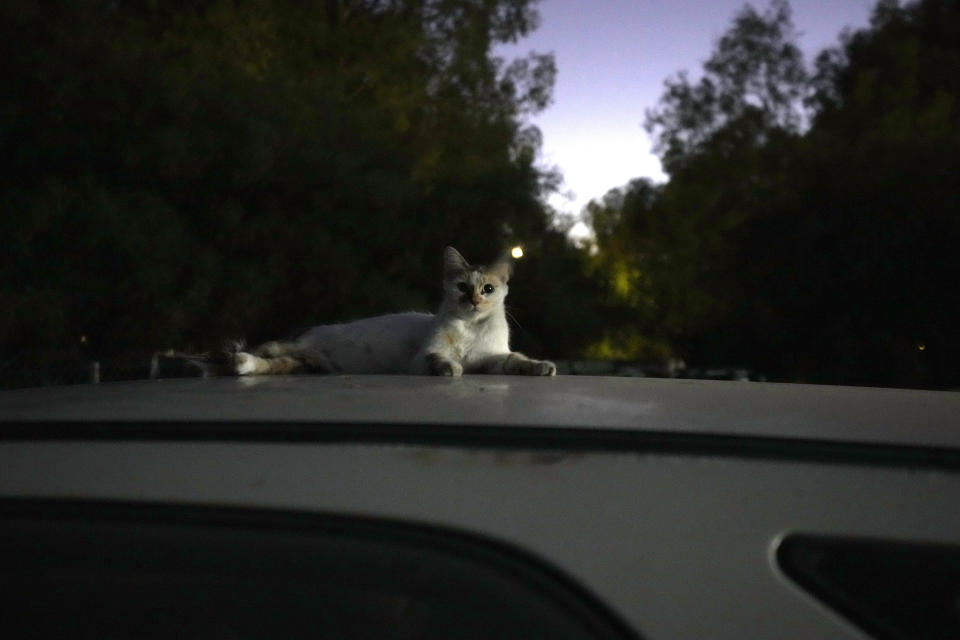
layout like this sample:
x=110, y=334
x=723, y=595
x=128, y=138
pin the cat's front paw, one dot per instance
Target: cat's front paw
x=449, y=368
x=540, y=368
x=440, y=366
x=545, y=368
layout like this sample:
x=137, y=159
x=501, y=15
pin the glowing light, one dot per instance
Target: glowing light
x=922, y=347
x=517, y=252
x=83, y=339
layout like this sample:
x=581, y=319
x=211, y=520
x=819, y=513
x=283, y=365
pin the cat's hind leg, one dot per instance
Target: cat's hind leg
x=270, y=358
x=274, y=349
x=282, y=358
x=245, y=364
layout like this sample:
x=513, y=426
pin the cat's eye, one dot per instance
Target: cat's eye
x=487, y=289
x=462, y=286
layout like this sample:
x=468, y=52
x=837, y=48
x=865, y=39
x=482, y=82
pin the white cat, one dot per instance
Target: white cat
x=469, y=334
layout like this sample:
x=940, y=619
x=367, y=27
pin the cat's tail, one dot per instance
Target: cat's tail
x=178, y=364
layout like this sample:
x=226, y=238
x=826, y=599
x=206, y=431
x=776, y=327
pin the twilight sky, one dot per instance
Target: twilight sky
x=612, y=58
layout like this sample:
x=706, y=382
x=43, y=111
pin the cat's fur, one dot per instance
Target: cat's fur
x=469, y=334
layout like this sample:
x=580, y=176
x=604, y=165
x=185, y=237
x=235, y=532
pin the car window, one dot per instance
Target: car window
x=121, y=571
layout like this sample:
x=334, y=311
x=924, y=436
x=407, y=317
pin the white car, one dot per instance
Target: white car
x=487, y=506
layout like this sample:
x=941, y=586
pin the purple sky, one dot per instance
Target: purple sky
x=612, y=58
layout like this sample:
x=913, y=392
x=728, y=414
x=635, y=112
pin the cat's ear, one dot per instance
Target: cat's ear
x=502, y=268
x=453, y=262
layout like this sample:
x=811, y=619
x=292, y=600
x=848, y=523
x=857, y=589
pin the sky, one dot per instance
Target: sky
x=612, y=59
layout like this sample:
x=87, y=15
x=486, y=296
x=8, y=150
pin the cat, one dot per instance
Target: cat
x=468, y=334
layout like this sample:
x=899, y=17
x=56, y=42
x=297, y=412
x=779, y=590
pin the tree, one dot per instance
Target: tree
x=881, y=225
x=184, y=172
x=811, y=246
x=754, y=82
x=627, y=255
x=669, y=252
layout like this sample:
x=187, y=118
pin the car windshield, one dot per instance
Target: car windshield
x=720, y=190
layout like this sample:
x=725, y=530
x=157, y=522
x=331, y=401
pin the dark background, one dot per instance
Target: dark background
x=178, y=173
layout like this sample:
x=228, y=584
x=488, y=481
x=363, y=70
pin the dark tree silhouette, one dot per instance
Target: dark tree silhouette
x=181, y=172
x=816, y=245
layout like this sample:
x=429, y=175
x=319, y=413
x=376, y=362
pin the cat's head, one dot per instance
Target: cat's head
x=473, y=291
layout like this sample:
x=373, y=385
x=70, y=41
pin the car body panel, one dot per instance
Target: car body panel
x=677, y=538
x=834, y=414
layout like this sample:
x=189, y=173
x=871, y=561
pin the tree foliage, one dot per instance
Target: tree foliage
x=182, y=172
x=816, y=244
x=186, y=171
x=754, y=82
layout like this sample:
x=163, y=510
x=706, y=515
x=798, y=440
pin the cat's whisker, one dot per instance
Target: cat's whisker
x=512, y=318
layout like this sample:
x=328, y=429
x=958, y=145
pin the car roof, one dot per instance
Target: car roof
x=632, y=405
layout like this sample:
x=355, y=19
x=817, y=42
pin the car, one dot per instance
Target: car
x=481, y=506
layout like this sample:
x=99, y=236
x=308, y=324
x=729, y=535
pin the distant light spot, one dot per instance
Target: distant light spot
x=517, y=252
x=922, y=347
x=83, y=339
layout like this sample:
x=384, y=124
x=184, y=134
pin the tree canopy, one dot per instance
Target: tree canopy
x=754, y=82
x=810, y=226
x=182, y=172
x=188, y=171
